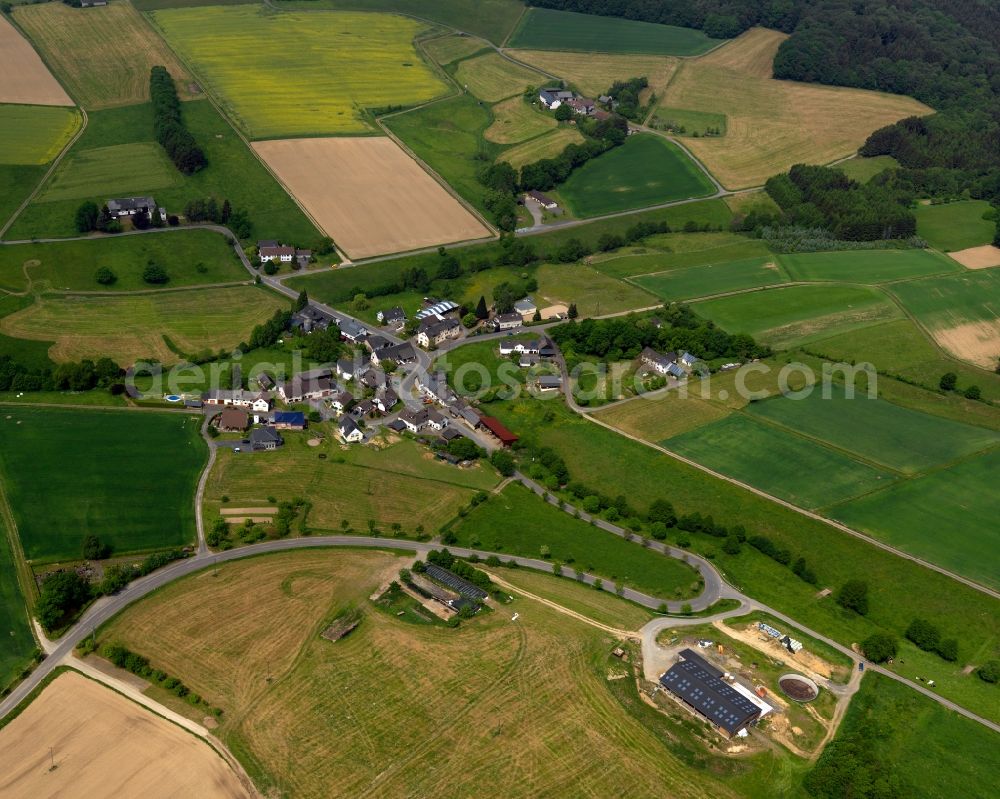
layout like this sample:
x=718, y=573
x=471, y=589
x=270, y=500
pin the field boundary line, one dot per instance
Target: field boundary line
x=803, y=511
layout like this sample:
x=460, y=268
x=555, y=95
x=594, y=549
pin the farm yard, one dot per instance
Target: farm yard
x=947, y=517
x=71, y=266
x=593, y=73
x=955, y=226
x=132, y=327
x=35, y=134
x=104, y=54
x=328, y=725
x=375, y=181
x=401, y=484
x=961, y=311
x=117, y=156
x=794, y=315
x=548, y=29
x=772, y=124
x=106, y=743
x=492, y=77
x=703, y=281
x=62, y=472
x=276, y=74
x=645, y=170
x=24, y=78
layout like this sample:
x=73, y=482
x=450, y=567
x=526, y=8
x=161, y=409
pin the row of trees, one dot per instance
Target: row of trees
x=72, y=376
x=168, y=125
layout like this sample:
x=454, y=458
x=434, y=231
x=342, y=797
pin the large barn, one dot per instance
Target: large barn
x=701, y=686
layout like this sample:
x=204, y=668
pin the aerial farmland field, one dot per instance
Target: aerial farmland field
x=866, y=266
x=645, y=170
x=548, y=29
x=63, y=475
x=947, y=517
x=548, y=146
x=372, y=179
x=132, y=327
x=794, y=315
x=19, y=643
x=446, y=49
x=704, y=281
x=121, y=169
x=492, y=77
x=772, y=124
x=35, y=134
x=778, y=462
x=955, y=226
x=961, y=311
x=679, y=251
x=102, y=54
x=24, y=78
x=864, y=169
x=290, y=81
x=514, y=121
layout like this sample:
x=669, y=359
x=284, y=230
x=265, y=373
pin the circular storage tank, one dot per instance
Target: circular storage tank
x=798, y=687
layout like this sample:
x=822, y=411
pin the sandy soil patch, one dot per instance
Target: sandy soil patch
x=245, y=511
x=369, y=195
x=803, y=661
x=977, y=342
x=105, y=745
x=23, y=77
x=983, y=257
x=314, y=442
x=554, y=311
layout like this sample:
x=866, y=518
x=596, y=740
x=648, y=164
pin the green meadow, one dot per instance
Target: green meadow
x=866, y=266
x=679, y=251
x=704, y=281
x=864, y=169
x=35, y=134
x=955, y=226
x=547, y=29
x=128, y=477
x=18, y=640
x=777, y=461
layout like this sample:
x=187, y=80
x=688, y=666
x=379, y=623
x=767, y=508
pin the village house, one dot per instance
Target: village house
x=581, y=105
x=365, y=407
x=659, y=362
x=386, y=400
x=373, y=379
x=342, y=402
x=314, y=384
x=283, y=253
x=552, y=98
x=507, y=321
x=433, y=331
x=377, y=342
x=688, y=360
x=541, y=347
x=353, y=331
x=232, y=420
x=434, y=389
x=264, y=438
x=416, y=421
x=398, y=353
x=257, y=401
x=311, y=318
x=265, y=381
x=526, y=308
x=130, y=206
x=349, y=430
x=394, y=317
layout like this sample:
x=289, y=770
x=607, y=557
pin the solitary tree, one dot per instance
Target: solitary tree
x=481, y=311
x=154, y=273
x=572, y=312
x=948, y=381
x=105, y=276
x=301, y=301
x=879, y=647
x=853, y=595
x=86, y=217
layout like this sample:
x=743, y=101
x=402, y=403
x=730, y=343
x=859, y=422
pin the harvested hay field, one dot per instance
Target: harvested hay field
x=492, y=77
x=985, y=257
x=478, y=698
x=593, y=73
x=547, y=146
x=24, y=78
x=773, y=124
x=133, y=326
x=102, y=54
x=105, y=745
x=369, y=195
x=515, y=121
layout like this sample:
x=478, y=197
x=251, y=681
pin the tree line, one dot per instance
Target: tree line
x=168, y=124
x=72, y=376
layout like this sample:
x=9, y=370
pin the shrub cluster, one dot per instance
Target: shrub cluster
x=168, y=125
x=208, y=209
x=928, y=638
x=139, y=665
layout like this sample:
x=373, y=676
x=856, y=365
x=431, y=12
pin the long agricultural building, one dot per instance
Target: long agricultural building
x=701, y=686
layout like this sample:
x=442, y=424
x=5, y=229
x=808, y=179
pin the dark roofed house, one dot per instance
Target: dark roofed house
x=660, y=362
x=450, y=434
x=271, y=251
x=549, y=382
x=542, y=199
x=373, y=378
x=349, y=430
x=130, y=206
x=386, y=400
x=399, y=353
x=392, y=317
x=233, y=420
x=311, y=318
x=701, y=687
x=265, y=438
x=377, y=342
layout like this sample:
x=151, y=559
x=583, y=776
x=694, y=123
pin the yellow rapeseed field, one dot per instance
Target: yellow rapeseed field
x=293, y=74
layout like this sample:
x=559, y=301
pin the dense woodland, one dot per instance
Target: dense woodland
x=945, y=53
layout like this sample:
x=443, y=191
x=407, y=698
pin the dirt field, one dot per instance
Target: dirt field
x=976, y=342
x=23, y=76
x=105, y=745
x=369, y=195
x=593, y=73
x=102, y=54
x=984, y=257
x=773, y=124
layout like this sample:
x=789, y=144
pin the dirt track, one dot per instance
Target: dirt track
x=104, y=745
x=368, y=194
x=23, y=76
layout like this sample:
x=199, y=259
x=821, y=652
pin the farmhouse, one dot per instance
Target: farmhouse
x=349, y=430
x=392, y=317
x=416, y=421
x=581, y=105
x=283, y=253
x=507, y=321
x=495, y=428
x=542, y=199
x=232, y=420
x=657, y=361
x=701, y=686
x=434, y=330
x=398, y=353
x=264, y=438
x=130, y=206
x=438, y=308
x=552, y=98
